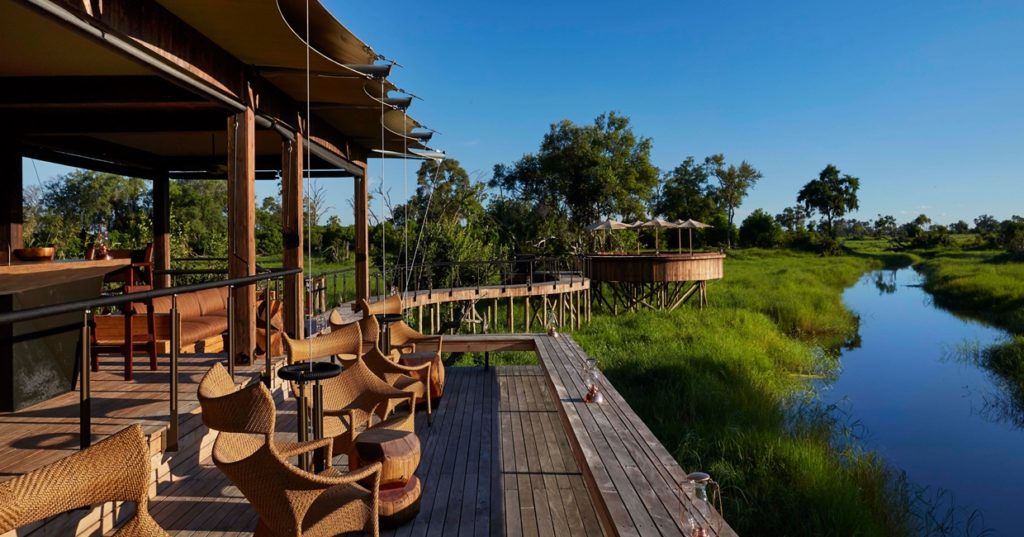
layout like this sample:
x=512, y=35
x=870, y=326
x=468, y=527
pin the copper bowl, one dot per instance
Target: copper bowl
x=45, y=253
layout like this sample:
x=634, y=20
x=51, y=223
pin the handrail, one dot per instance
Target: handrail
x=80, y=305
x=84, y=359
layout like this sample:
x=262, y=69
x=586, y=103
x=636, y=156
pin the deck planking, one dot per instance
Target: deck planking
x=513, y=450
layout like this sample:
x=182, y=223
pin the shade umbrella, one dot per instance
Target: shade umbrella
x=606, y=226
x=657, y=223
x=690, y=225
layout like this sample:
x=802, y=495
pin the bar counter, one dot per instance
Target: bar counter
x=38, y=358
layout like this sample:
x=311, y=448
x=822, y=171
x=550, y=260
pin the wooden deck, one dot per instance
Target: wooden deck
x=513, y=451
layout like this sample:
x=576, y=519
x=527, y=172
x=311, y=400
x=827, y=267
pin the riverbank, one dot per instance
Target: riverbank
x=988, y=286
x=724, y=389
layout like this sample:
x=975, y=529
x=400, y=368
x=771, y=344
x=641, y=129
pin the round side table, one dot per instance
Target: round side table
x=301, y=374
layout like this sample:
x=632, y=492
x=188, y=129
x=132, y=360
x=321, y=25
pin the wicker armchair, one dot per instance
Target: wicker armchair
x=357, y=400
x=344, y=343
x=115, y=469
x=413, y=379
x=403, y=337
x=369, y=326
x=217, y=383
x=288, y=500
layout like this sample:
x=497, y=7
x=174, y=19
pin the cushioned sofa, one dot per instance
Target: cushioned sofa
x=204, y=320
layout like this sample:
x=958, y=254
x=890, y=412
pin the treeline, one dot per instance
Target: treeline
x=81, y=208
x=539, y=204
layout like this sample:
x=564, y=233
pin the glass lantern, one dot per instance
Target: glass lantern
x=591, y=377
x=701, y=523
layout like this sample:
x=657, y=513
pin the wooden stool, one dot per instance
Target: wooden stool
x=399, y=504
x=436, y=369
x=399, y=454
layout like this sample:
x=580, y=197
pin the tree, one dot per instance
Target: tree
x=831, y=195
x=960, y=227
x=761, y=230
x=885, y=226
x=73, y=207
x=986, y=225
x=685, y=193
x=268, y=227
x=199, y=218
x=793, y=219
x=733, y=184
x=585, y=171
x=1011, y=235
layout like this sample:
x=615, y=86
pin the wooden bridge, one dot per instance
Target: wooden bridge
x=506, y=308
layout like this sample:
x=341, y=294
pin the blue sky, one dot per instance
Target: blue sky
x=924, y=101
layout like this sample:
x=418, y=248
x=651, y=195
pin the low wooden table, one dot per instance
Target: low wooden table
x=436, y=369
x=399, y=454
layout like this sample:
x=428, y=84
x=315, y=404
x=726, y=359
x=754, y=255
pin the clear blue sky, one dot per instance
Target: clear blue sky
x=924, y=101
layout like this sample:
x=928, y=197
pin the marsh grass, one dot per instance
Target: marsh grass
x=725, y=391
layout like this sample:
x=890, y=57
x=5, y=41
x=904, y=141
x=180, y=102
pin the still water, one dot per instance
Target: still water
x=939, y=417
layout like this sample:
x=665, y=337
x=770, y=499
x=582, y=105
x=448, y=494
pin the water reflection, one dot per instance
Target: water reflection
x=885, y=281
x=1003, y=401
x=938, y=419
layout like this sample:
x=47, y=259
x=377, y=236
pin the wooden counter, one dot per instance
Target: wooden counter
x=38, y=358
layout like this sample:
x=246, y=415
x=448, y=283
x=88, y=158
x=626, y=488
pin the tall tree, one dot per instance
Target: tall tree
x=831, y=194
x=686, y=193
x=72, y=207
x=590, y=171
x=793, y=219
x=734, y=182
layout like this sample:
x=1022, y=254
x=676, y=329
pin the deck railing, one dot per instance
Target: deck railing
x=87, y=307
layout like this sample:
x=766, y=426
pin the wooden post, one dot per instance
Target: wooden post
x=561, y=311
x=241, y=227
x=546, y=324
x=291, y=233
x=162, y=229
x=511, y=316
x=526, y=312
x=362, y=204
x=11, y=203
x=419, y=317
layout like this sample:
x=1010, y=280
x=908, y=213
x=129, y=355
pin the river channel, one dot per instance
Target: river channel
x=926, y=410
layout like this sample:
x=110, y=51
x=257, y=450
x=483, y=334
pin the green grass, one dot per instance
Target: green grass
x=725, y=391
x=985, y=284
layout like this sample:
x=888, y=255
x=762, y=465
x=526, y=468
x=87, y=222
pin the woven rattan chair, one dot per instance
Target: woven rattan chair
x=115, y=469
x=357, y=400
x=413, y=379
x=370, y=329
x=288, y=500
x=403, y=337
x=344, y=343
x=217, y=383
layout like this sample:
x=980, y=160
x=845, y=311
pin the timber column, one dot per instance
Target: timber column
x=291, y=228
x=241, y=226
x=11, y=203
x=362, y=203
x=162, y=229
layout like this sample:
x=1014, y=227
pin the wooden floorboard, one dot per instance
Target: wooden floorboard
x=513, y=451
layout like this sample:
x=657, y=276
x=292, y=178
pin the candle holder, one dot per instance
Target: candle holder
x=591, y=378
x=702, y=523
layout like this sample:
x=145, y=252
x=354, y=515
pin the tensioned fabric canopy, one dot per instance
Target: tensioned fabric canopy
x=140, y=86
x=270, y=36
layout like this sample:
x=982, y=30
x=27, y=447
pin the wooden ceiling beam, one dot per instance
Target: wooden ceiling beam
x=97, y=121
x=30, y=92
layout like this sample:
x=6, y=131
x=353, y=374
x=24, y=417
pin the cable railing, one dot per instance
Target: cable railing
x=89, y=306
